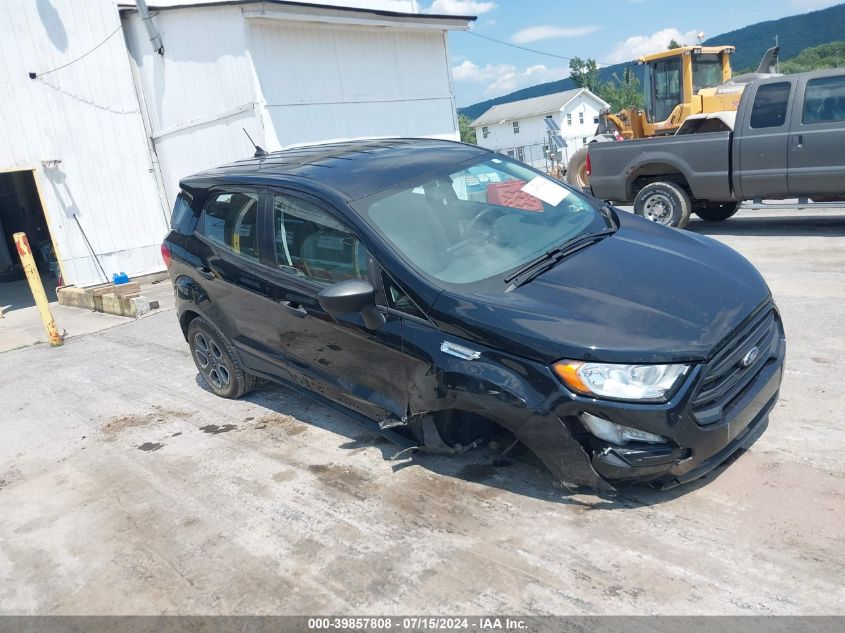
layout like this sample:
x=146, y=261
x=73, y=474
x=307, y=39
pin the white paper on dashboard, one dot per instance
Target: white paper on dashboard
x=546, y=190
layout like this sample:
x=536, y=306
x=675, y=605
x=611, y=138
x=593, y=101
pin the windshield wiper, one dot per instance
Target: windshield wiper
x=551, y=257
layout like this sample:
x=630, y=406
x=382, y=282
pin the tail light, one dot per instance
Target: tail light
x=165, y=255
x=589, y=167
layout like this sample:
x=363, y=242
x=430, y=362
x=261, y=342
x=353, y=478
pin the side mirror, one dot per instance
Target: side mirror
x=352, y=297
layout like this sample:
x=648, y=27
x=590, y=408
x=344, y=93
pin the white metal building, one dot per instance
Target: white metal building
x=290, y=74
x=100, y=144
x=73, y=153
x=518, y=130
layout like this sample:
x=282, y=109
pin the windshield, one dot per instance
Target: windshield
x=478, y=221
x=706, y=71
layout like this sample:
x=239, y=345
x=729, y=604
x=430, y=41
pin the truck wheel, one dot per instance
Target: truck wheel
x=665, y=203
x=715, y=211
x=576, y=170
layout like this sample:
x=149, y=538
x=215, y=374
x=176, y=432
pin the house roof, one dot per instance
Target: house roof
x=125, y=6
x=530, y=107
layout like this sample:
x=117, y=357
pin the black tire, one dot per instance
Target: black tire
x=576, y=170
x=715, y=211
x=217, y=361
x=665, y=203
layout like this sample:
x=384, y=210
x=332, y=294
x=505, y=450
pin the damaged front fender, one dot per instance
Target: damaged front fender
x=512, y=392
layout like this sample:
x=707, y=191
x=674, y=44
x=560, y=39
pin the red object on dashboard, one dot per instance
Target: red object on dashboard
x=510, y=194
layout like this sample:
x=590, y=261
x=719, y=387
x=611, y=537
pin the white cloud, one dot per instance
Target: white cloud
x=547, y=32
x=504, y=78
x=461, y=7
x=812, y=5
x=640, y=45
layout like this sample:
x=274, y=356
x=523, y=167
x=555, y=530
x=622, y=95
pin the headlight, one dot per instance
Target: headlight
x=651, y=383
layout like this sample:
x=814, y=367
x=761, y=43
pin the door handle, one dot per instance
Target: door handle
x=205, y=272
x=798, y=141
x=293, y=308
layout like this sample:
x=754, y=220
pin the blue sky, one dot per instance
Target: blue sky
x=608, y=30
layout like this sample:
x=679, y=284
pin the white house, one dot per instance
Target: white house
x=98, y=126
x=518, y=129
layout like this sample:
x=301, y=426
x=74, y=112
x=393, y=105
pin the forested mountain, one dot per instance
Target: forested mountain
x=795, y=34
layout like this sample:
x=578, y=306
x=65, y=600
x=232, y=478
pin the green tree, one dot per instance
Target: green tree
x=467, y=133
x=673, y=44
x=622, y=93
x=584, y=73
x=830, y=55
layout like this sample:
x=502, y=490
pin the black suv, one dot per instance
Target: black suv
x=451, y=292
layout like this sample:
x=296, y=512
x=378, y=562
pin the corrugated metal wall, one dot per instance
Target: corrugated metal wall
x=319, y=82
x=200, y=93
x=86, y=116
x=285, y=82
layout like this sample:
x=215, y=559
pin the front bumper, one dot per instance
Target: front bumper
x=704, y=425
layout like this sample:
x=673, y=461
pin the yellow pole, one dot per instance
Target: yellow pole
x=37, y=288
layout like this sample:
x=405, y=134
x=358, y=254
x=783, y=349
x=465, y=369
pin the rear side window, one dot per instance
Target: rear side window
x=770, y=104
x=824, y=100
x=181, y=211
x=230, y=219
x=311, y=243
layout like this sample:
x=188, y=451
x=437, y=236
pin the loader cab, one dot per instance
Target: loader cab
x=673, y=81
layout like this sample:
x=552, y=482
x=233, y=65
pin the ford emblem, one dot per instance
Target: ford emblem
x=750, y=356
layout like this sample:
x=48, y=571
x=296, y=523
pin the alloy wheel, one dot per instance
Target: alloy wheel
x=210, y=361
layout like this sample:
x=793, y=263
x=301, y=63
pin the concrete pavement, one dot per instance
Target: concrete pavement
x=127, y=488
x=21, y=325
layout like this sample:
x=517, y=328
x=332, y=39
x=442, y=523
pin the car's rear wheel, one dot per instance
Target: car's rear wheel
x=665, y=203
x=715, y=211
x=218, y=361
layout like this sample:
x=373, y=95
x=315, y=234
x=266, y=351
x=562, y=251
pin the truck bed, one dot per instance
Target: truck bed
x=703, y=159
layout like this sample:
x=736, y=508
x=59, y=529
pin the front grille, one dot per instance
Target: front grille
x=726, y=378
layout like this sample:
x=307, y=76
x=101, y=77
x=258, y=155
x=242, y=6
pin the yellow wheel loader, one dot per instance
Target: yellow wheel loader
x=677, y=84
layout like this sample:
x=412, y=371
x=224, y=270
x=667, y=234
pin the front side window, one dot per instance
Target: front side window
x=485, y=132
x=824, y=100
x=581, y=118
x=516, y=127
x=230, y=219
x=473, y=223
x=569, y=119
x=770, y=103
x=311, y=243
x=399, y=300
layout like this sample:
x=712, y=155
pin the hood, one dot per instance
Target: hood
x=645, y=294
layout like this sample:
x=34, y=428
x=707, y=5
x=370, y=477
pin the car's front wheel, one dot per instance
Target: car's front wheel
x=218, y=361
x=665, y=203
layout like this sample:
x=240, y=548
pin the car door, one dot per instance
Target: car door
x=231, y=271
x=763, y=141
x=362, y=369
x=817, y=137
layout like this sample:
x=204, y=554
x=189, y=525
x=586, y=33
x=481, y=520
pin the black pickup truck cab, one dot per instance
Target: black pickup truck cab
x=787, y=141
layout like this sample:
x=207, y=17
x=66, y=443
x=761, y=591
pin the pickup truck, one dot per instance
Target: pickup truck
x=786, y=140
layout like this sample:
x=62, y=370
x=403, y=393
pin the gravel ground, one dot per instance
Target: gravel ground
x=127, y=488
